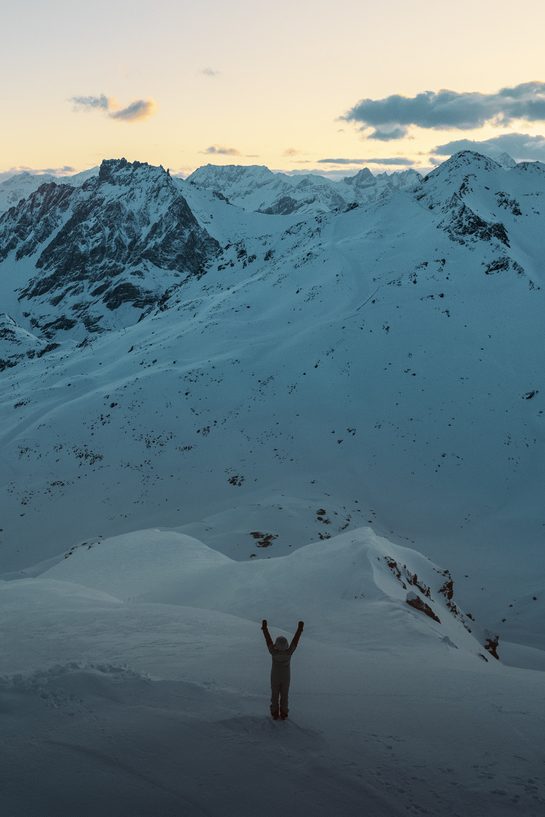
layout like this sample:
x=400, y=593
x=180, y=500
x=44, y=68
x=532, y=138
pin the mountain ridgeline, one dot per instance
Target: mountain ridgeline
x=262, y=360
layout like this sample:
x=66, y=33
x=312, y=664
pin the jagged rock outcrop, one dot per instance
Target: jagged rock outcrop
x=414, y=600
x=25, y=227
x=106, y=244
x=463, y=225
x=17, y=344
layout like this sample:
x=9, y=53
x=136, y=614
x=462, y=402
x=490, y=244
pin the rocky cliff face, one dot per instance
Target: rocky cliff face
x=122, y=239
x=24, y=227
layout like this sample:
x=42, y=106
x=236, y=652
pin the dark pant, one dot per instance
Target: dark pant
x=279, y=695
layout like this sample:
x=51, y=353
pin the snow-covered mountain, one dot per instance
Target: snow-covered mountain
x=266, y=381
x=116, y=244
x=211, y=415
x=255, y=187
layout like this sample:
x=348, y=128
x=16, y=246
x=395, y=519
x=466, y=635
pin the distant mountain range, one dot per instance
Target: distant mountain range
x=264, y=360
x=258, y=188
x=253, y=187
x=18, y=186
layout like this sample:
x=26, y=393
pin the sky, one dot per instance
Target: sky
x=298, y=86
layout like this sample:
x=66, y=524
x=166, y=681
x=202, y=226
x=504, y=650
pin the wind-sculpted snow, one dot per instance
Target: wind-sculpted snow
x=321, y=580
x=380, y=366
x=133, y=673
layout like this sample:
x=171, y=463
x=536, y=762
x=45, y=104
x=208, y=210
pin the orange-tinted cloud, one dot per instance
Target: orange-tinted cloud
x=134, y=112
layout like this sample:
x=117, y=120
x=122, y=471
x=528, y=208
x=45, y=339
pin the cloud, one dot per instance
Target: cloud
x=210, y=72
x=521, y=146
x=387, y=135
x=448, y=109
x=291, y=152
x=219, y=150
x=90, y=103
x=137, y=110
x=58, y=171
x=36, y=171
x=390, y=160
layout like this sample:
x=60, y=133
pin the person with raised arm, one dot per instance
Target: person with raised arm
x=281, y=653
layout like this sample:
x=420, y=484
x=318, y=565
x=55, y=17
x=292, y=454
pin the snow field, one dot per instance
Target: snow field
x=135, y=681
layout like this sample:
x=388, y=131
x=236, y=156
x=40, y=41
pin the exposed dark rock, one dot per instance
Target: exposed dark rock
x=447, y=589
x=60, y=323
x=508, y=203
x=414, y=600
x=263, y=540
x=463, y=225
x=499, y=265
x=49, y=348
x=128, y=293
x=284, y=206
x=491, y=645
x=7, y=364
x=25, y=227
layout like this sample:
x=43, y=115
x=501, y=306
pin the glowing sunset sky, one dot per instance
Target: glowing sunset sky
x=286, y=84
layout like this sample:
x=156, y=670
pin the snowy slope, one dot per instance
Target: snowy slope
x=145, y=691
x=379, y=366
x=357, y=584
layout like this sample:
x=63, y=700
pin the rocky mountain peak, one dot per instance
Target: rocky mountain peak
x=121, y=172
x=363, y=177
x=535, y=168
x=122, y=239
x=463, y=162
x=465, y=177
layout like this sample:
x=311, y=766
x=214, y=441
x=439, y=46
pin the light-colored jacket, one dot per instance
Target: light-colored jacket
x=281, y=653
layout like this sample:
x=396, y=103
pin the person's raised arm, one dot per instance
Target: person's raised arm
x=266, y=634
x=296, y=637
